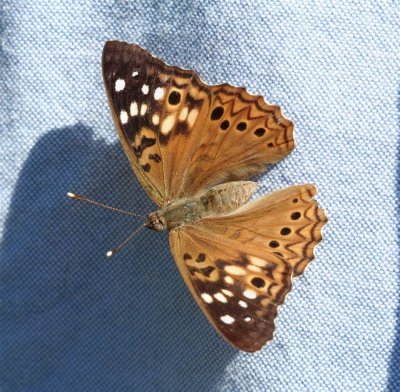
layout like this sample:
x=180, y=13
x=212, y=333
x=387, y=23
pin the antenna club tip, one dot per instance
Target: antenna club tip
x=109, y=253
x=71, y=195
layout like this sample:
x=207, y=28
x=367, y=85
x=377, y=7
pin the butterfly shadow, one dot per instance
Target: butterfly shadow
x=394, y=368
x=74, y=319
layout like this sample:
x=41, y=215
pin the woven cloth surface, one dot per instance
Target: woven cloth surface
x=72, y=320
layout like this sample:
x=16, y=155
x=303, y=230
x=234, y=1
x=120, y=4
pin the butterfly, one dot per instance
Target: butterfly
x=193, y=147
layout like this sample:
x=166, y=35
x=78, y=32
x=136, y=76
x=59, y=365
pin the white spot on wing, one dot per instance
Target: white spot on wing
x=247, y=319
x=227, y=319
x=227, y=292
x=243, y=304
x=257, y=261
x=250, y=294
x=168, y=124
x=134, y=109
x=207, y=298
x=119, y=85
x=220, y=297
x=192, y=117
x=143, y=109
x=183, y=114
x=156, y=119
x=135, y=73
x=158, y=93
x=229, y=279
x=123, y=117
x=254, y=268
x=145, y=89
x=235, y=270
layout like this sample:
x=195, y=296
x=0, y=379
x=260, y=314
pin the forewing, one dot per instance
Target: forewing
x=182, y=135
x=158, y=111
x=236, y=276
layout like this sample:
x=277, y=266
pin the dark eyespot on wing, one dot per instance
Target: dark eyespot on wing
x=201, y=257
x=224, y=125
x=259, y=132
x=241, y=126
x=146, y=167
x=258, y=282
x=217, y=113
x=295, y=215
x=274, y=244
x=174, y=98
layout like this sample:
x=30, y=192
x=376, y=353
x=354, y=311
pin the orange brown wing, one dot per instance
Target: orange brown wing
x=239, y=267
x=182, y=135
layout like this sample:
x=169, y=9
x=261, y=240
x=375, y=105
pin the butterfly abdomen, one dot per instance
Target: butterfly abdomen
x=226, y=197
x=215, y=201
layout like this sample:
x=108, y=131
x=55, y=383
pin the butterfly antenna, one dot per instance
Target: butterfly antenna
x=96, y=203
x=122, y=244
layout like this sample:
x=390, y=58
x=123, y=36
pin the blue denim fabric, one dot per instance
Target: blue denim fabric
x=72, y=320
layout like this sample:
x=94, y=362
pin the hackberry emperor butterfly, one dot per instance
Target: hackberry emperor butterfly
x=192, y=146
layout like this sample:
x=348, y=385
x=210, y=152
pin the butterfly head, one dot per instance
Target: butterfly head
x=156, y=221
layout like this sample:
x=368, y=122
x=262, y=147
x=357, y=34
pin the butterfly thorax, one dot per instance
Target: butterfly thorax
x=217, y=200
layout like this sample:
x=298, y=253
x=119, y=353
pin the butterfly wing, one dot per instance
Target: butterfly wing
x=155, y=108
x=239, y=267
x=182, y=135
x=242, y=134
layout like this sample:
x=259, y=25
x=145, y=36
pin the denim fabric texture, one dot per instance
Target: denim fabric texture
x=73, y=320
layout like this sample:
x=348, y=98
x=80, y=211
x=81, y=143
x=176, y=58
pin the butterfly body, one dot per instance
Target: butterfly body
x=193, y=147
x=215, y=201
